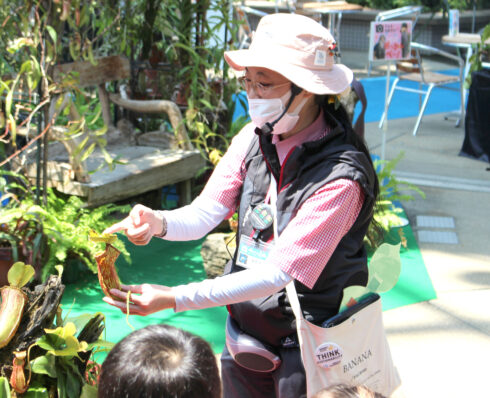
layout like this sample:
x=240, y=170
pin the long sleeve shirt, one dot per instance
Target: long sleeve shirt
x=302, y=250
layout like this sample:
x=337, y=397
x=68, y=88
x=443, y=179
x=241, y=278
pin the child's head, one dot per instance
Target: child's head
x=346, y=391
x=160, y=361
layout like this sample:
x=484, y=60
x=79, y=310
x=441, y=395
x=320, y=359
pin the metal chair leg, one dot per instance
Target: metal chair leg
x=422, y=110
x=385, y=111
x=420, y=96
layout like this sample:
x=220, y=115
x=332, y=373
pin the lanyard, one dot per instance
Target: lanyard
x=290, y=288
x=273, y=197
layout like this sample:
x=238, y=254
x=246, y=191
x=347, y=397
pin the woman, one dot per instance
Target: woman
x=302, y=140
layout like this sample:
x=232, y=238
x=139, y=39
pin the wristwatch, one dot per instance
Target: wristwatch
x=164, y=225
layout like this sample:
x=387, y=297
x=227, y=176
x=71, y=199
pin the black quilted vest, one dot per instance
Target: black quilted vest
x=307, y=168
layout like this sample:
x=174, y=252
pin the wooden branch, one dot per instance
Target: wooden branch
x=158, y=106
x=105, y=105
x=39, y=313
x=105, y=70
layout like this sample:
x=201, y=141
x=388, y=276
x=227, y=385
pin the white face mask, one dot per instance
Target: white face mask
x=267, y=110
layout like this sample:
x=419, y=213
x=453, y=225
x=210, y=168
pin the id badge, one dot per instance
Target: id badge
x=253, y=253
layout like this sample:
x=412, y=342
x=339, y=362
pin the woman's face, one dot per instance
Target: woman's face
x=265, y=83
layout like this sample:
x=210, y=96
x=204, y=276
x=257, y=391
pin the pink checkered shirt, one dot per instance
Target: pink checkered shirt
x=308, y=241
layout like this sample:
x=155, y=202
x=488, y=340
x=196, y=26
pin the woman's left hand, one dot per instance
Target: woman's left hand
x=144, y=299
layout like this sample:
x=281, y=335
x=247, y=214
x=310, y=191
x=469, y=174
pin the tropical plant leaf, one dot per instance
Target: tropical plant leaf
x=36, y=391
x=19, y=274
x=45, y=364
x=384, y=268
x=101, y=343
x=102, y=238
x=88, y=391
x=73, y=379
x=352, y=293
x=4, y=387
x=62, y=341
x=52, y=33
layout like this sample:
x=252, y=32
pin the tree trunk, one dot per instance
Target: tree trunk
x=39, y=312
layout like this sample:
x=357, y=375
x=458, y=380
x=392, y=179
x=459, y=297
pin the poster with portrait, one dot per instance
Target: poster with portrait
x=390, y=41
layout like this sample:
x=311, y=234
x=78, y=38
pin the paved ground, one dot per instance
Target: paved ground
x=441, y=347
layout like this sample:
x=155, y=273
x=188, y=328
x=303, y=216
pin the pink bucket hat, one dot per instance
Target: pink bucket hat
x=298, y=48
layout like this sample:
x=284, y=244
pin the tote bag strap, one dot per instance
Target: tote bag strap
x=290, y=288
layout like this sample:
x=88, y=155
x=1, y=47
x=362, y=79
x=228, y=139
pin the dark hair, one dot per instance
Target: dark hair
x=346, y=391
x=335, y=113
x=160, y=361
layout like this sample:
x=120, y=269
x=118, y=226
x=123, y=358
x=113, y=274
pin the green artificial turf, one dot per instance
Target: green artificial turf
x=160, y=262
x=174, y=263
x=414, y=284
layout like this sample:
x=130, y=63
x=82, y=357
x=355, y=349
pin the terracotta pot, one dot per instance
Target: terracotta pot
x=5, y=264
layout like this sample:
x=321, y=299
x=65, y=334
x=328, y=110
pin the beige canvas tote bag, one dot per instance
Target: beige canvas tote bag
x=354, y=352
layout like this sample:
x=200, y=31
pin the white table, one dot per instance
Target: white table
x=334, y=11
x=466, y=42
x=463, y=41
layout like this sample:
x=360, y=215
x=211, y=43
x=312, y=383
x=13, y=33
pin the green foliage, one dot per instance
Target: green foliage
x=387, y=211
x=35, y=36
x=202, y=71
x=19, y=228
x=67, y=224
x=61, y=363
x=4, y=387
x=61, y=226
x=481, y=53
x=184, y=39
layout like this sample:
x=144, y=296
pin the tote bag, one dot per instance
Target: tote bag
x=354, y=352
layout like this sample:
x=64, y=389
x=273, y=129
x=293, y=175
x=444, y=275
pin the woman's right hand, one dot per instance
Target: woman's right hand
x=147, y=299
x=140, y=226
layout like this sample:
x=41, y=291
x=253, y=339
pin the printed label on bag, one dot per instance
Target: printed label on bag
x=328, y=355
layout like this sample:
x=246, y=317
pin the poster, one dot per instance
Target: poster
x=453, y=22
x=390, y=41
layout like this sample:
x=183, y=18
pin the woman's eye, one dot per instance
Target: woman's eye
x=263, y=85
